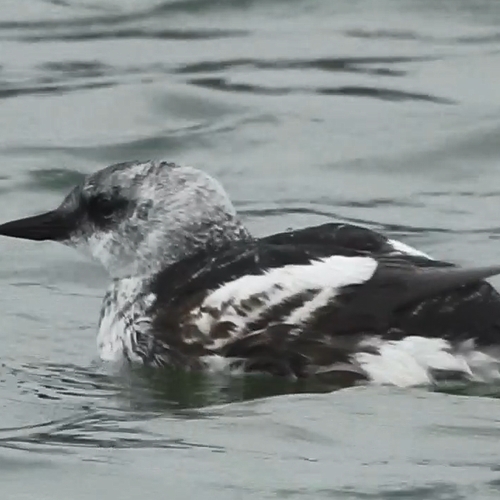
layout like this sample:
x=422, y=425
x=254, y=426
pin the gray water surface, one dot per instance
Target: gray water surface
x=383, y=112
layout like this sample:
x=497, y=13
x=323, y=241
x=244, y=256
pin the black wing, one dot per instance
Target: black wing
x=336, y=236
x=400, y=300
x=415, y=301
x=405, y=296
x=210, y=269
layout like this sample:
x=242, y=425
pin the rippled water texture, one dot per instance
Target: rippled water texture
x=380, y=112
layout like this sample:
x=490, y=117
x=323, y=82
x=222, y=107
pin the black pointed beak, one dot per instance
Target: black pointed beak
x=54, y=225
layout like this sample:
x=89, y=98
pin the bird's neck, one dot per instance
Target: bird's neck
x=198, y=237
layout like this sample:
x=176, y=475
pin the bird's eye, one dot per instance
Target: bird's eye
x=102, y=208
x=106, y=208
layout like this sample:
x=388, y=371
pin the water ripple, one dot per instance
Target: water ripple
x=342, y=64
x=356, y=91
x=7, y=92
x=91, y=429
x=130, y=33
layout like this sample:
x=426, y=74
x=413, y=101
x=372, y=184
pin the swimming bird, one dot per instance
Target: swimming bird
x=192, y=288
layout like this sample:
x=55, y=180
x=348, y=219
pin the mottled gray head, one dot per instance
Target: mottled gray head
x=137, y=217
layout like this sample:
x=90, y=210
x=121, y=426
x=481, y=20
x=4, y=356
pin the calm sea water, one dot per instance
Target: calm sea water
x=381, y=112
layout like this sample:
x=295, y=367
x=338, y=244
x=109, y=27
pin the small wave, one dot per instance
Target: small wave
x=353, y=91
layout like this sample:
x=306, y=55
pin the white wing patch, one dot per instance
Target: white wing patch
x=245, y=299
